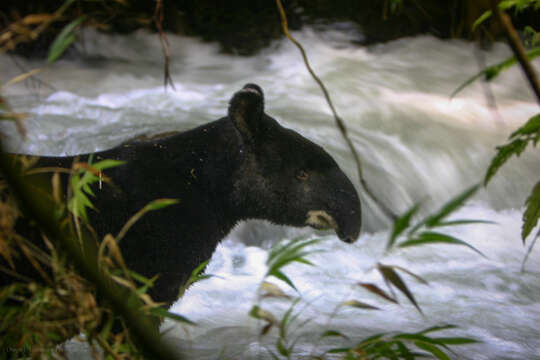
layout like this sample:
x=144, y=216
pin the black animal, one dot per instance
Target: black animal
x=242, y=166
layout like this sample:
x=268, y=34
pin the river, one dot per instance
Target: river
x=417, y=146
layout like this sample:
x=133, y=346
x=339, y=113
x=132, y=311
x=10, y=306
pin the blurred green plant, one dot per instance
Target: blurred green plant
x=517, y=5
x=82, y=177
x=527, y=135
x=282, y=255
x=396, y=345
x=38, y=315
x=64, y=39
x=491, y=72
x=407, y=346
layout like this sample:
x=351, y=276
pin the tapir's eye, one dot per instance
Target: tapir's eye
x=302, y=175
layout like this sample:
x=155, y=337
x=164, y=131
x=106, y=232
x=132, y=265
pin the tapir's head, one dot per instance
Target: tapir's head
x=285, y=178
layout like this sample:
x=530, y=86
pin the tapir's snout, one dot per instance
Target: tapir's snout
x=342, y=211
x=349, y=225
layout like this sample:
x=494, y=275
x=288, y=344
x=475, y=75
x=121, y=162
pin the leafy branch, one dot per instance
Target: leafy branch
x=404, y=345
x=85, y=260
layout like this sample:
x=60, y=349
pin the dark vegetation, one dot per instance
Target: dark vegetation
x=87, y=286
x=245, y=26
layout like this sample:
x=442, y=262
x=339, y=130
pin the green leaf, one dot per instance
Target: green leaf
x=532, y=126
x=436, y=238
x=281, y=276
x=359, y=305
x=392, y=277
x=504, y=152
x=438, y=328
x=378, y=291
x=142, y=279
x=404, y=352
x=372, y=338
x=423, y=281
x=161, y=312
x=160, y=204
x=491, y=72
x=415, y=337
x=64, y=40
x=529, y=250
x=450, y=207
x=282, y=255
x=332, y=333
x=532, y=212
x=400, y=225
x=455, y=340
x=288, y=318
x=281, y=348
x=107, y=328
x=338, y=350
x=463, y=222
x=433, y=349
x=481, y=19
x=257, y=313
x=107, y=164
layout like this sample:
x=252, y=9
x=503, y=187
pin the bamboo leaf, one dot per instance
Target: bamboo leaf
x=450, y=207
x=532, y=126
x=107, y=164
x=463, y=222
x=411, y=274
x=282, y=255
x=481, y=19
x=160, y=204
x=271, y=290
x=257, y=313
x=334, y=333
x=392, y=277
x=378, y=291
x=437, y=238
x=504, y=152
x=529, y=250
x=161, y=312
x=358, y=304
x=415, y=337
x=433, y=349
x=338, y=350
x=281, y=348
x=371, y=339
x=455, y=340
x=281, y=276
x=400, y=225
x=438, y=328
x=492, y=71
x=532, y=212
x=107, y=327
x=64, y=40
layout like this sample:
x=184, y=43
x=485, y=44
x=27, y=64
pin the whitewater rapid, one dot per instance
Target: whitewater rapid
x=417, y=146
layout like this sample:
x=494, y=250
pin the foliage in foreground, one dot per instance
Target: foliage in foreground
x=391, y=345
x=36, y=316
x=526, y=136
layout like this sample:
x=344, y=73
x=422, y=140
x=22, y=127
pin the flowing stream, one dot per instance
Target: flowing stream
x=417, y=146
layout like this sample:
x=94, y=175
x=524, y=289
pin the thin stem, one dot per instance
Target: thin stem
x=339, y=122
x=517, y=48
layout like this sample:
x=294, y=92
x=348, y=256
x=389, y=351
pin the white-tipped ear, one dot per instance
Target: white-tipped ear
x=246, y=109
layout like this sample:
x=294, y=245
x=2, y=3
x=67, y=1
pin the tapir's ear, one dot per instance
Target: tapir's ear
x=246, y=110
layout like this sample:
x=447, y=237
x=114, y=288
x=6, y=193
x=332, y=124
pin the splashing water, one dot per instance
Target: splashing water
x=417, y=145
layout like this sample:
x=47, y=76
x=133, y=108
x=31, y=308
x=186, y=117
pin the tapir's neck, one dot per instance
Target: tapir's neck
x=220, y=155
